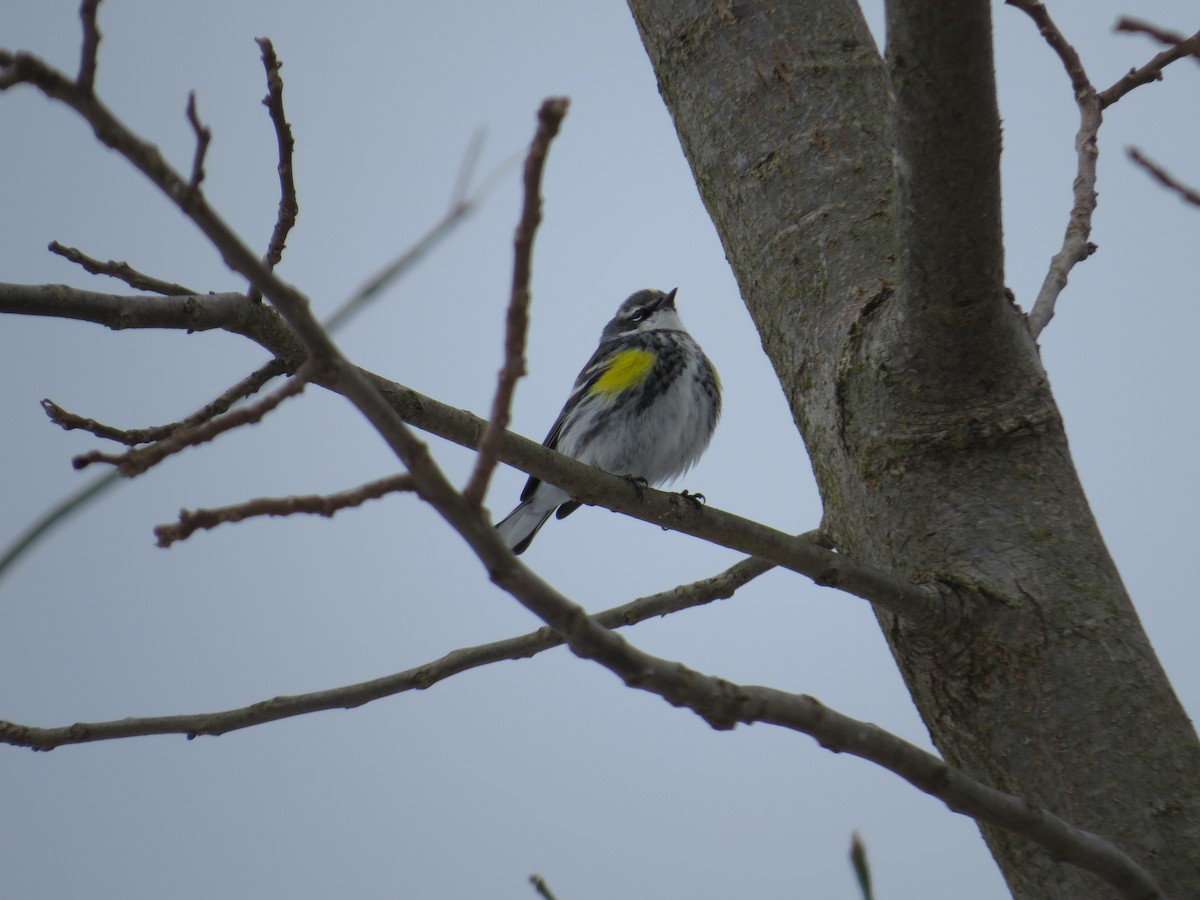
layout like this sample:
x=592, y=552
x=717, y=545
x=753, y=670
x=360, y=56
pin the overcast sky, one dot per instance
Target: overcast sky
x=547, y=765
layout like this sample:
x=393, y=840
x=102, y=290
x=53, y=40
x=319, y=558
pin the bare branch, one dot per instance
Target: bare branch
x=550, y=118
x=1151, y=71
x=1139, y=26
x=466, y=168
x=57, y=513
x=193, y=312
x=724, y=705
x=458, y=211
x=685, y=596
x=862, y=869
x=191, y=521
x=288, y=205
x=1076, y=246
x=120, y=270
x=91, y=44
x=131, y=437
x=460, y=208
x=203, y=136
x=81, y=497
x=1188, y=194
x=915, y=602
x=135, y=462
x=543, y=889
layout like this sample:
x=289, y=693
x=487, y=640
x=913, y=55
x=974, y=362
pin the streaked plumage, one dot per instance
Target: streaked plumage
x=645, y=405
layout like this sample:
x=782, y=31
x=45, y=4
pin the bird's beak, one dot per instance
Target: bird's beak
x=669, y=303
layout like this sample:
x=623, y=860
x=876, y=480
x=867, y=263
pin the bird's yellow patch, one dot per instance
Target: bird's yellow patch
x=625, y=369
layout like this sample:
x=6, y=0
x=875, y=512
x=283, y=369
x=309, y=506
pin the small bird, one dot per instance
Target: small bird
x=644, y=406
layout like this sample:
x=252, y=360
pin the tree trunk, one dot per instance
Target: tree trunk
x=918, y=389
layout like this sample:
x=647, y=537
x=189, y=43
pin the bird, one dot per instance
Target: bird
x=644, y=406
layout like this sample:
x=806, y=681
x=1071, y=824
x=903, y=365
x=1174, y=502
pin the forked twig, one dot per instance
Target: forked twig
x=135, y=462
x=131, y=437
x=1153, y=70
x=1076, y=247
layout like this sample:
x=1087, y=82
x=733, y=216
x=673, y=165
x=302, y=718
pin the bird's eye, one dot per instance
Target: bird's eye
x=637, y=315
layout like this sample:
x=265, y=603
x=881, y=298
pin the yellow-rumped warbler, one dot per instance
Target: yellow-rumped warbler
x=645, y=406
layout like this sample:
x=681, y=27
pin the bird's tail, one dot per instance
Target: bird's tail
x=519, y=526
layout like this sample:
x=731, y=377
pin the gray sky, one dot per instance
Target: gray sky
x=548, y=765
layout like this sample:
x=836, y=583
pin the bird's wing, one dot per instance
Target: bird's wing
x=588, y=375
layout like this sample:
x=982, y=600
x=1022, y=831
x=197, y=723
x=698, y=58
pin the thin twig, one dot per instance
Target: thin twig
x=91, y=44
x=862, y=869
x=1188, y=194
x=193, y=520
x=1151, y=71
x=81, y=497
x=120, y=270
x=685, y=596
x=131, y=437
x=58, y=513
x=457, y=212
x=203, y=136
x=466, y=168
x=543, y=889
x=550, y=118
x=135, y=462
x=289, y=207
x=1140, y=26
x=1076, y=246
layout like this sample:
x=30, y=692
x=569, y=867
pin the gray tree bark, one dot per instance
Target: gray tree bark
x=858, y=202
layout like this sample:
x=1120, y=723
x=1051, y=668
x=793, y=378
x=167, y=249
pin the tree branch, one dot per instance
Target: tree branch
x=685, y=596
x=120, y=270
x=191, y=521
x=720, y=703
x=91, y=44
x=203, y=137
x=135, y=462
x=131, y=437
x=1076, y=246
x=462, y=204
x=192, y=312
x=289, y=207
x=724, y=705
x=550, y=118
x=1138, y=26
x=948, y=303
x=234, y=312
x=1151, y=71
x=1188, y=194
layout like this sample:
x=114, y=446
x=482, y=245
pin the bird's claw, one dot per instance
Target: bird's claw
x=639, y=483
x=696, y=498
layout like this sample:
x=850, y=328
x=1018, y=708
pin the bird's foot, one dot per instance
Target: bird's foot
x=639, y=483
x=696, y=498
